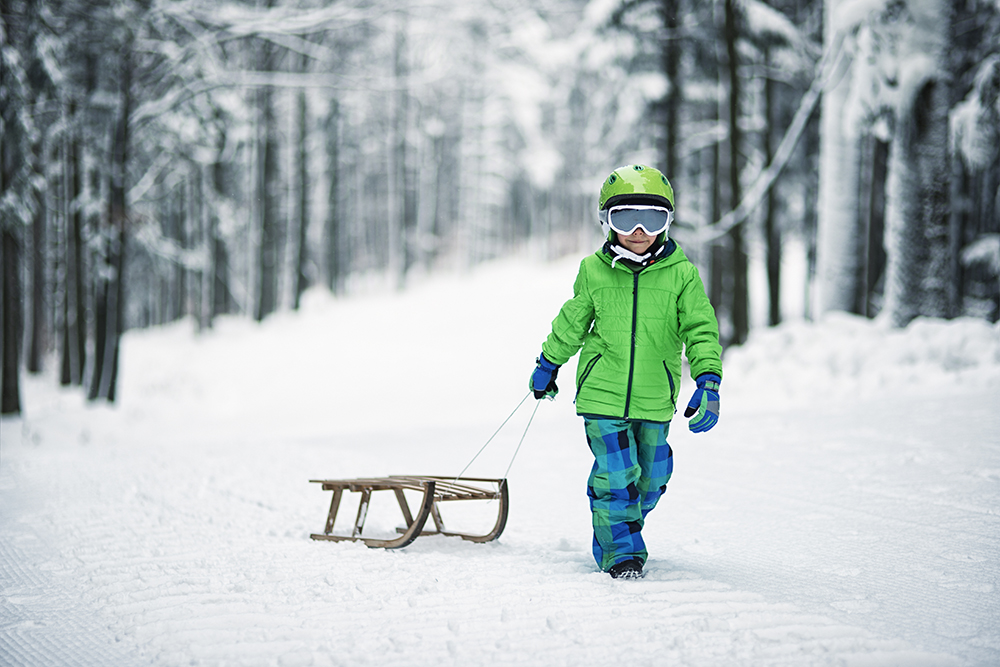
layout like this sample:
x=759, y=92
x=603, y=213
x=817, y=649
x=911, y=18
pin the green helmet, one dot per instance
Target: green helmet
x=636, y=184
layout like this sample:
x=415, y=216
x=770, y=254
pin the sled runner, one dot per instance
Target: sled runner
x=434, y=489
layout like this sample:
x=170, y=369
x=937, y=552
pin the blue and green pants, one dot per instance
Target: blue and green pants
x=632, y=465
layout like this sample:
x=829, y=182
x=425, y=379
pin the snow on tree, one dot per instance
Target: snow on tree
x=917, y=240
x=975, y=127
x=839, y=234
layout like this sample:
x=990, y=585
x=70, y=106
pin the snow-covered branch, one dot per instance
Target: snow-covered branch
x=194, y=259
x=828, y=66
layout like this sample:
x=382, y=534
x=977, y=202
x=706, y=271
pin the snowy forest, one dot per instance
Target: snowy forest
x=168, y=159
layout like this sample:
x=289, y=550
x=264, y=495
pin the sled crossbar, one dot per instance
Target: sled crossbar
x=434, y=489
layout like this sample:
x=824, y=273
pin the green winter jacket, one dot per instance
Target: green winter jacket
x=632, y=326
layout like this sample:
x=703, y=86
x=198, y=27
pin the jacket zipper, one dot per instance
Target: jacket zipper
x=631, y=358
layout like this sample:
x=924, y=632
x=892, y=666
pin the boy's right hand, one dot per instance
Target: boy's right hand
x=543, y=379
x=704, y=404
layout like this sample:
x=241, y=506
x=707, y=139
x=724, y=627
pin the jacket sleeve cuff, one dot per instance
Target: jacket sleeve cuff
x=709, y=379
x=545, y=363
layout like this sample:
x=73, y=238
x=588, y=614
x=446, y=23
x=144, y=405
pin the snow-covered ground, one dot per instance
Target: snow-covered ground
x=846, y=509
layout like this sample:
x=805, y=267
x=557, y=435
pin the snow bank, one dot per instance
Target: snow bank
x=483, y=332
x=848, y=355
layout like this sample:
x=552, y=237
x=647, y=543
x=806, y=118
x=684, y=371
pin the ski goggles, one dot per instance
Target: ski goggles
x=652, y=219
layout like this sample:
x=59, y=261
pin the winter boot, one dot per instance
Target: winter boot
x=627, y=569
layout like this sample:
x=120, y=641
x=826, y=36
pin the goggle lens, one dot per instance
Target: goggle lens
x=652, y=219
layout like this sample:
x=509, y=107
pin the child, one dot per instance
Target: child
x=635, y=303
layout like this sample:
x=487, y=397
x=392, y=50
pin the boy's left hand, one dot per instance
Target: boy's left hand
x=704, y=402
x=543, y=379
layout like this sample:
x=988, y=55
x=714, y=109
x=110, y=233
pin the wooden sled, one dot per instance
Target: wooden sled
x=435, y=490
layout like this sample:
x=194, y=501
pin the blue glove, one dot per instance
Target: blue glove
x=704, y=402
x=543, y=379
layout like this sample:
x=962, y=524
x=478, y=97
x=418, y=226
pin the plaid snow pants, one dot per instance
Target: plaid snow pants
x=632, y=465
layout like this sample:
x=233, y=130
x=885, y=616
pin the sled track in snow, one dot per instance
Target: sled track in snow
x=44, y=623
x=217, y=578
x=670, y=617
x=298, y=610
x=128, y=558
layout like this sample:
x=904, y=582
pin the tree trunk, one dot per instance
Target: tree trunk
x=741, y=298
x=10, y=316
x=717, y=289
x=917, y=239
x=14, y=184
x=772, y=233
x=269, y=188
x=74, y=348
x=335, y=269
x=810, y=198
x=110, y=292
x=838, y=267
x=206, y=311
x=222, y=301
x=918, y=230
x=671, y=59
x=269, y=264
x=302, y=158
x=872, y=222
x=403, y=192
x=180, y=220
x=38, y=337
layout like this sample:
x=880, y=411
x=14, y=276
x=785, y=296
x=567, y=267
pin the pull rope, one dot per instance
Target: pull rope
x=537, y=403
x=469, y=464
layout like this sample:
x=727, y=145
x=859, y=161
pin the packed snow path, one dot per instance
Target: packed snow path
x=844, y=511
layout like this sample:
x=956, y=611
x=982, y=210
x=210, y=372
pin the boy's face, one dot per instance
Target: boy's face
x=638, y=241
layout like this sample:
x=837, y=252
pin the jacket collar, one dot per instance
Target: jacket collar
x=615, y=253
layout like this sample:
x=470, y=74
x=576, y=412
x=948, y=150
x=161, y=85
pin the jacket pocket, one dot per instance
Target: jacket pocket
x=586, y=371
x=673, y=388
